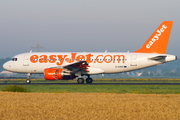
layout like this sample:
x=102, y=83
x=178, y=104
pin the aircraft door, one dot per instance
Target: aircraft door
x=26, y=60
x=133, y=60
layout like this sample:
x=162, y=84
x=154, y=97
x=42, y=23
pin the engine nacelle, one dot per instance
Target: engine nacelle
x=57, y=74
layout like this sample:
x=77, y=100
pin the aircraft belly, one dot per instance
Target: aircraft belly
x=93, y=70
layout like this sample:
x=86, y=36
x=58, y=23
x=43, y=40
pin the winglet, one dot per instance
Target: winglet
x=158, y=41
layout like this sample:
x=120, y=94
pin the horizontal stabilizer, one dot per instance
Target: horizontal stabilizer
x=158, y=58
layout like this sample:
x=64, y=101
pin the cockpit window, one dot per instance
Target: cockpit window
x=14, y=59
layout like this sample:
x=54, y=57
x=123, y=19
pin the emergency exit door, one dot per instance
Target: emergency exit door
x=26, y=60
x=134, y=60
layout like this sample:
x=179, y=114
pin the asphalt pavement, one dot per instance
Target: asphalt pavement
x=90, y=84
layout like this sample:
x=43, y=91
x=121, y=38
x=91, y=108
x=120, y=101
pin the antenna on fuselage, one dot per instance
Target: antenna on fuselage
x=37, y=47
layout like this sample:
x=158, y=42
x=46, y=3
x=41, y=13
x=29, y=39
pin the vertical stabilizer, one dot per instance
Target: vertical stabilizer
x=158, y=41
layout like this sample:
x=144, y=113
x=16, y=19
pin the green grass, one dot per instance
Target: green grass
x=14, y=88
x=138, y=89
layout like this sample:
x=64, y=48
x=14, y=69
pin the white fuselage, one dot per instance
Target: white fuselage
x=99, y=63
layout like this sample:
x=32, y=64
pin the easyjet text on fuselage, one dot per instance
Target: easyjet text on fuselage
x=73, y=57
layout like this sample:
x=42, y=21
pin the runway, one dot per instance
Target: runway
x=90, y=84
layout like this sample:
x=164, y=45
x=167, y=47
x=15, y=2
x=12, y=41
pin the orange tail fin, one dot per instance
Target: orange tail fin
x=158, y=41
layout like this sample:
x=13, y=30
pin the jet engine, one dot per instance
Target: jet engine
x=57, y=74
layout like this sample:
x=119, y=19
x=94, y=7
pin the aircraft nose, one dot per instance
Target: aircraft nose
x=5, y=66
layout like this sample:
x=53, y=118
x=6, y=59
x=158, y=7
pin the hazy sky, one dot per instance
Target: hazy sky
x=84, y=25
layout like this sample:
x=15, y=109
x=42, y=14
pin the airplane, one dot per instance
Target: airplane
x=65, y=65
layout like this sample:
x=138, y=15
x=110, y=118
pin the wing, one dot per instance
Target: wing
x=75, y=67
x=81, y=65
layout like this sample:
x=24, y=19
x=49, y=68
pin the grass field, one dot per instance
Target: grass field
x=138, y=89
x=88, y=106
x=85, y=88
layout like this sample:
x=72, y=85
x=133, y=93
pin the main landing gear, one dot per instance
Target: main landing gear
x=81, y=80
x=28, y=81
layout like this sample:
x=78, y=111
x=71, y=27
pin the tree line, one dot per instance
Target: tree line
x=2, y=61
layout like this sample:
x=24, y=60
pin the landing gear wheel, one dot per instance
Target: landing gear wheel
x=28, y=81
x=80, y=80
x=89, y=80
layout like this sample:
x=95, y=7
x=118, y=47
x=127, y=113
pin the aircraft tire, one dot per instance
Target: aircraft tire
x=80, y=80
x=28, y=81
x=89, y=80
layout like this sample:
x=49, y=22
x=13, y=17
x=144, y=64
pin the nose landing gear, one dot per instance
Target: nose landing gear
x=28, y=81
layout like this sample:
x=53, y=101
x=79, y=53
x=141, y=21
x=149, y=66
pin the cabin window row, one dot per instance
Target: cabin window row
x=79, y=59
